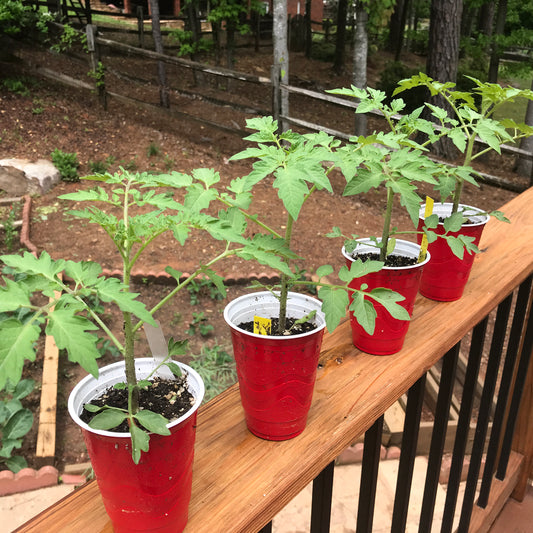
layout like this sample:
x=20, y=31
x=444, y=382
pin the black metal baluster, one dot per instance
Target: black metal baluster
x=489, y=386
x=513, y=346
x=266, y=529
x=369, y=477
x=463, y=424
x=322, y=495
x=438, y=437
x=415, y=399
x=521, y=375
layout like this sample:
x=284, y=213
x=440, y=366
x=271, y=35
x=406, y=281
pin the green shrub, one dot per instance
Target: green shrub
x=67, y=164
x=101, y=167
x=217, y=369
x=17, y=86
x=323, y=51
x=15, y=422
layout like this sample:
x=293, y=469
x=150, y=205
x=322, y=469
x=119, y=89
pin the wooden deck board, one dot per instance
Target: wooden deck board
x=240, y=482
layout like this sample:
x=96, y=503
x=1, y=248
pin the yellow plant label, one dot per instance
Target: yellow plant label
x=262, y=326
x=424, y=244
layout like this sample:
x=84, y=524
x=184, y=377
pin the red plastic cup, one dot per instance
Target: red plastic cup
x=153, y=495
x=445, y=276
x=276, y=374
x=389, y=333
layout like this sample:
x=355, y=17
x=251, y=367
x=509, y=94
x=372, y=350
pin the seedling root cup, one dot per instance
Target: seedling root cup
x=445, y=276
x=276, y=374
x=153, y=495
x=389, y=333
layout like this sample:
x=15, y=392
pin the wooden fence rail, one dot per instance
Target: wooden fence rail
x=269, y=93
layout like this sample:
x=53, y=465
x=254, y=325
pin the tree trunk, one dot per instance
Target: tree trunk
x=397, y=27
x=443, y=53
x=470, y=14
x=360, y=56
x=340, y=44
x=501, y=15
x=524, y=167
x=158, y=44
x=281, y=58
x=308, y=30
x=486, y=18
x=230, y=43
x=215, y=26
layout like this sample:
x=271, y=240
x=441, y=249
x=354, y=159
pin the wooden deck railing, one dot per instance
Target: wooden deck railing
x=241, y=482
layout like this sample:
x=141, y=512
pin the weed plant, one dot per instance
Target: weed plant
x=67, y=164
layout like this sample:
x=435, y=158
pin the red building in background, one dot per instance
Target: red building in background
x=294, y=7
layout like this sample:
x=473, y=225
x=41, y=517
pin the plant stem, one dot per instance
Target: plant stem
x=459, y=182
x=129, y=356
x=284, y=290
x=386, y=225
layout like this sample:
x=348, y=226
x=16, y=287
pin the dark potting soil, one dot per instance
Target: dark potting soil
x=391, y=261
x=467, y=221
x=168, y=397
x=290, y=329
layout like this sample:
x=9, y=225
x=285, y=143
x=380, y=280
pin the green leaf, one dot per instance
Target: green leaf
x=140, y=442
x=363, y=181
x=175, y=369
x=108, y=419
x=265, y=258
x=176, y=348
x=334, y=233
x=176, y=274
x=198, y=198
x=44, y=265
x=92, y=408
x=456, y=246
x=334, y=304
x=458, y=138
x=113, y=290
x=389, y=300
x=291, y=191
x=324, y=270
x=454, y=222
x=359, y=268
x=153, y=422
x=16, y=463
x=17, y=343
x=71, y=332
x=363, y=312
x=208, y=176
x=8, y=445
x=23, y=388
x=217, y=280
x=13, y=296
x=18, y=425
x=498, y=215
x=177, y=180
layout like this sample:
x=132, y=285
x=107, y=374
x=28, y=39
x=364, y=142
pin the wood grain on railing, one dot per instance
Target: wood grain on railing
x=240, y=481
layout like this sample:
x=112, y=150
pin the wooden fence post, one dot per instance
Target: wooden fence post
x=96, y=65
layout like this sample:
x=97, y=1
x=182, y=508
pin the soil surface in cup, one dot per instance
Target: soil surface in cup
x=390, y=261
x=292, y=327
x=167, y=397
